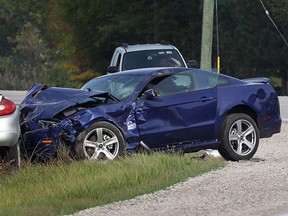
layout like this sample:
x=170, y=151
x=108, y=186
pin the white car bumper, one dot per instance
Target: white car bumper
x=9, y=129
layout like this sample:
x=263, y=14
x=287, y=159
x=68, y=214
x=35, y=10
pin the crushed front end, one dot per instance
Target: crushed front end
x=54, y=116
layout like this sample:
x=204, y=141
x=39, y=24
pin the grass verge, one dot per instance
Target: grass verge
x=58, y=189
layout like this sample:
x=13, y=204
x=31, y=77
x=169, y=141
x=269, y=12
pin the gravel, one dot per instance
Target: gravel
x=255, y=187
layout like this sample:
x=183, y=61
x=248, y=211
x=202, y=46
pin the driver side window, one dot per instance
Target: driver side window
x=172, y=84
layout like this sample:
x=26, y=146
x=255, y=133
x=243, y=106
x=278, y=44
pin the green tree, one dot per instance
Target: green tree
x=279, y=11
x=66, y=43
x=249, y=44
x=28, y=55
x=98, y=27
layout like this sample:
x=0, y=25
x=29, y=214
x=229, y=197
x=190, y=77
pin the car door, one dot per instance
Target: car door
x=180, y=112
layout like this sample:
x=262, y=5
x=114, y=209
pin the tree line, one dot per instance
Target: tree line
x=65, y=43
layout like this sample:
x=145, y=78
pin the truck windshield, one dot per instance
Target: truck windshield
x=152, y=58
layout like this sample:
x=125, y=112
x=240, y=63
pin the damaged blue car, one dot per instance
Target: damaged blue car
x=159, y=109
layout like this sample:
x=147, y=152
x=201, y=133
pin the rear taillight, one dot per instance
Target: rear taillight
x=6, y=107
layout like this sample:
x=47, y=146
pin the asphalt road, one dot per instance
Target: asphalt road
x=17, y=97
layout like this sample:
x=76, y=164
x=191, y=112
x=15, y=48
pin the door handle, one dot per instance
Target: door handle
x=204, y=99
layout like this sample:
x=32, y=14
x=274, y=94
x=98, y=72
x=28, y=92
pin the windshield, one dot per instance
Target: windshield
x=120, y=86
x=152, y=58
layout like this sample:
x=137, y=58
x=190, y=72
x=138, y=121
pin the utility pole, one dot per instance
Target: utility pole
x=207, y=33
x=206, y=47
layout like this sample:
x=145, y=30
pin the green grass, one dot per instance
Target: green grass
x=57, y=188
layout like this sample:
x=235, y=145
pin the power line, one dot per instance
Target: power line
x=268, y=14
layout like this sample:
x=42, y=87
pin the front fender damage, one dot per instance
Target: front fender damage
x=46, y=127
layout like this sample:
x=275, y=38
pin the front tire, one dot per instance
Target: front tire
x=100, y=141
x=239, y=137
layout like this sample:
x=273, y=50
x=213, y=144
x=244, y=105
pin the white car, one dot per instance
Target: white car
x=9, y=133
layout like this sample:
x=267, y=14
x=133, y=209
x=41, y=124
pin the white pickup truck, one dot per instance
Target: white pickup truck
x=128, y=57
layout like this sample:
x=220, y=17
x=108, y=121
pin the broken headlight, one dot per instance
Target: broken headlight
x=45, y=124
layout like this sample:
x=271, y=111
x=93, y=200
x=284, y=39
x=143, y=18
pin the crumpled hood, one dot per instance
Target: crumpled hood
x=43, y=102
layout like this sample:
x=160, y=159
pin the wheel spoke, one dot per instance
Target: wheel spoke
x=239, y=148
x=108, y=154
x=239, y=127
x=249, y=144
x=95, y=154
x=110, y=141
x=233, y=137
x=99, y=132
x=89, y=143
x=249, y=131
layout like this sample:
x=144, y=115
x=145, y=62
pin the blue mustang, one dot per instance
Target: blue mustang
x=156, y=109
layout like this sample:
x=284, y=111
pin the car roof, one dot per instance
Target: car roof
x=141, y=47
x=150, y=71
x=163, y=71
x=156, y=71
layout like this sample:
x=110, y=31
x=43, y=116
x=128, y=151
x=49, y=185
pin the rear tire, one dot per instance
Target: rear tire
x=239, y=138
x=10, y=158
x=14, y=156
x=100, y=141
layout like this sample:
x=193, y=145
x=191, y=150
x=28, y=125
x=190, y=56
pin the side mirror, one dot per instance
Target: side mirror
x=192, y=63
x=112, y=69
x=149, y=94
